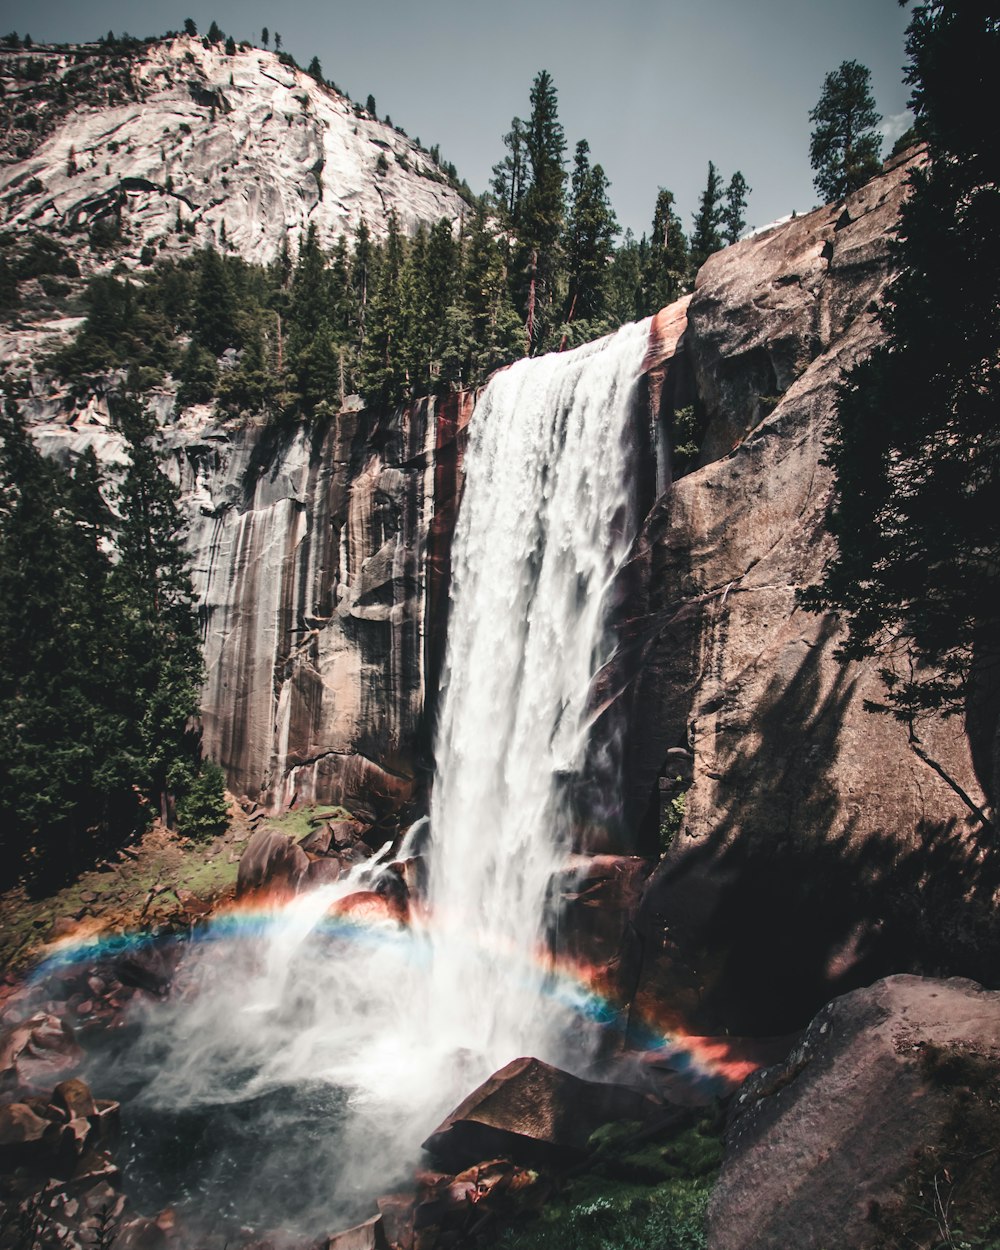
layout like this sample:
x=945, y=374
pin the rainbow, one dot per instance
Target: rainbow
x=716, y=1063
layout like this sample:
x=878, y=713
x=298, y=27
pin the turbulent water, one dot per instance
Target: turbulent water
x=300, y=1063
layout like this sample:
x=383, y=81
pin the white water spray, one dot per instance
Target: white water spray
x=405, y=1024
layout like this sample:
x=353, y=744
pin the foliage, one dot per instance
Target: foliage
x=915, y=447
x=541, y=212
x=845, y=144
x=99, y=668
x=672, y=818
x=590, y=234
x=634, y=1194
x=203, y=811
x=733, y=219
x=667, y=268
x=705, y=237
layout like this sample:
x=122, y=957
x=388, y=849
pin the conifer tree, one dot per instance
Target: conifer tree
x=590, y=234
x=510, y=175
x=667, y=265
x=212, y=310
x=384, y=370
x=265, y=37
x=733, y=214
x=158, y=624
x=539, y=260
x=705, y=238
x=845, y=144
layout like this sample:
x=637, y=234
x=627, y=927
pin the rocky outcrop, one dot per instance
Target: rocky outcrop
x=179, y=145
x=533, y=1113
x=842, y=1134
x=321, y=562
x=816, y=845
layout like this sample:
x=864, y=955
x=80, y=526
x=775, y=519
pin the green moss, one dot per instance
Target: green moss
x=302, y=820
x=634, y=1195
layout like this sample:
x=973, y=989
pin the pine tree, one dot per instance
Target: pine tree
x=733, y=218
x=214, y=328
x=277, y=41
x=510, y=175
x=625, y=284
x=265, y=37
x=315, y=70
x=539, y=259
x=590, y=234
x=158, y=624
x=383, y=369
x=215, y=34
x=667, y=266
x=845, y=144
x=705, y=238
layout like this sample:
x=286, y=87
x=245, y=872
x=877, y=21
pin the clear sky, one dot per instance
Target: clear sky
x=657, y=87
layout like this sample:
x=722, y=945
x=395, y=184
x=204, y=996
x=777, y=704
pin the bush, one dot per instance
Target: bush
x=203, y=811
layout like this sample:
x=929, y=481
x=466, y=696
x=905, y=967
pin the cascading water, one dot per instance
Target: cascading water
x=545, y=522
x=366, y=1035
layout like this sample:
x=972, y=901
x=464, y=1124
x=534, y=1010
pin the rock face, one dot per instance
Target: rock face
x=815, y=843
x=321, y=563
x=244, y=151
x=827, y=1140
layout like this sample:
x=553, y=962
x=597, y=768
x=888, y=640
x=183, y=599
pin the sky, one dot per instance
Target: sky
x=657, y=87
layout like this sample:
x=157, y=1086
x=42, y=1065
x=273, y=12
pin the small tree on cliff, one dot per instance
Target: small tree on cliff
x=733, y=219
x=705, y=237
x=915, y=447
x=666, y=266
x=845, y=144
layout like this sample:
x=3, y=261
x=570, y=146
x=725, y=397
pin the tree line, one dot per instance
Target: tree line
x=100, y=656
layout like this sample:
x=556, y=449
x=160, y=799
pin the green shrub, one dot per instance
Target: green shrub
x=203, y=811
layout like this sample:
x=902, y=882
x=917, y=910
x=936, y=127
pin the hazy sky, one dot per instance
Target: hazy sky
x=657, y=89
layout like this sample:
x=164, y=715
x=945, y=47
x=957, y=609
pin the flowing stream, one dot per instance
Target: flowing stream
x=326, y=1050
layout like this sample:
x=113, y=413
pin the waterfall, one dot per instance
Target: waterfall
x=336, y=1048
x=544, y=524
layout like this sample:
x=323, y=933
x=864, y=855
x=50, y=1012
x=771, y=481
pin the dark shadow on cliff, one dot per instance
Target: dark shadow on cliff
x=777, y=910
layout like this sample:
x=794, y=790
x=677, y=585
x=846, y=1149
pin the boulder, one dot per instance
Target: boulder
x=368, y=907
x=271, y=863
x=22, y=1136
x=367, y=1236
x=534, y=1114
x=831, y=1138
x=322, y=872
x=37, y=1050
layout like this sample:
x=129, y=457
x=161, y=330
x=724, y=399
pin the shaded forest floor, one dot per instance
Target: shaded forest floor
x=163, y=881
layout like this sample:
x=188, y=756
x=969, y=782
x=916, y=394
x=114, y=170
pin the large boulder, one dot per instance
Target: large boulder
x=271, y=863
x=827, y=1148
x=532, y=1113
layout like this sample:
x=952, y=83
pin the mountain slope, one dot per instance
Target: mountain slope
x=180, y=145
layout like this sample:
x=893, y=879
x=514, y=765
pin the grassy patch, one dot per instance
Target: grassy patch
x=634, y=1195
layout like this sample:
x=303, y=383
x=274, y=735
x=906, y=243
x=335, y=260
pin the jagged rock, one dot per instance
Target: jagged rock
x=534, y=1114
x=367, y=1236
x=36, y=1050
x=827, y=1140
x=272, y=862
x=74, y=1098
x=323, y=872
